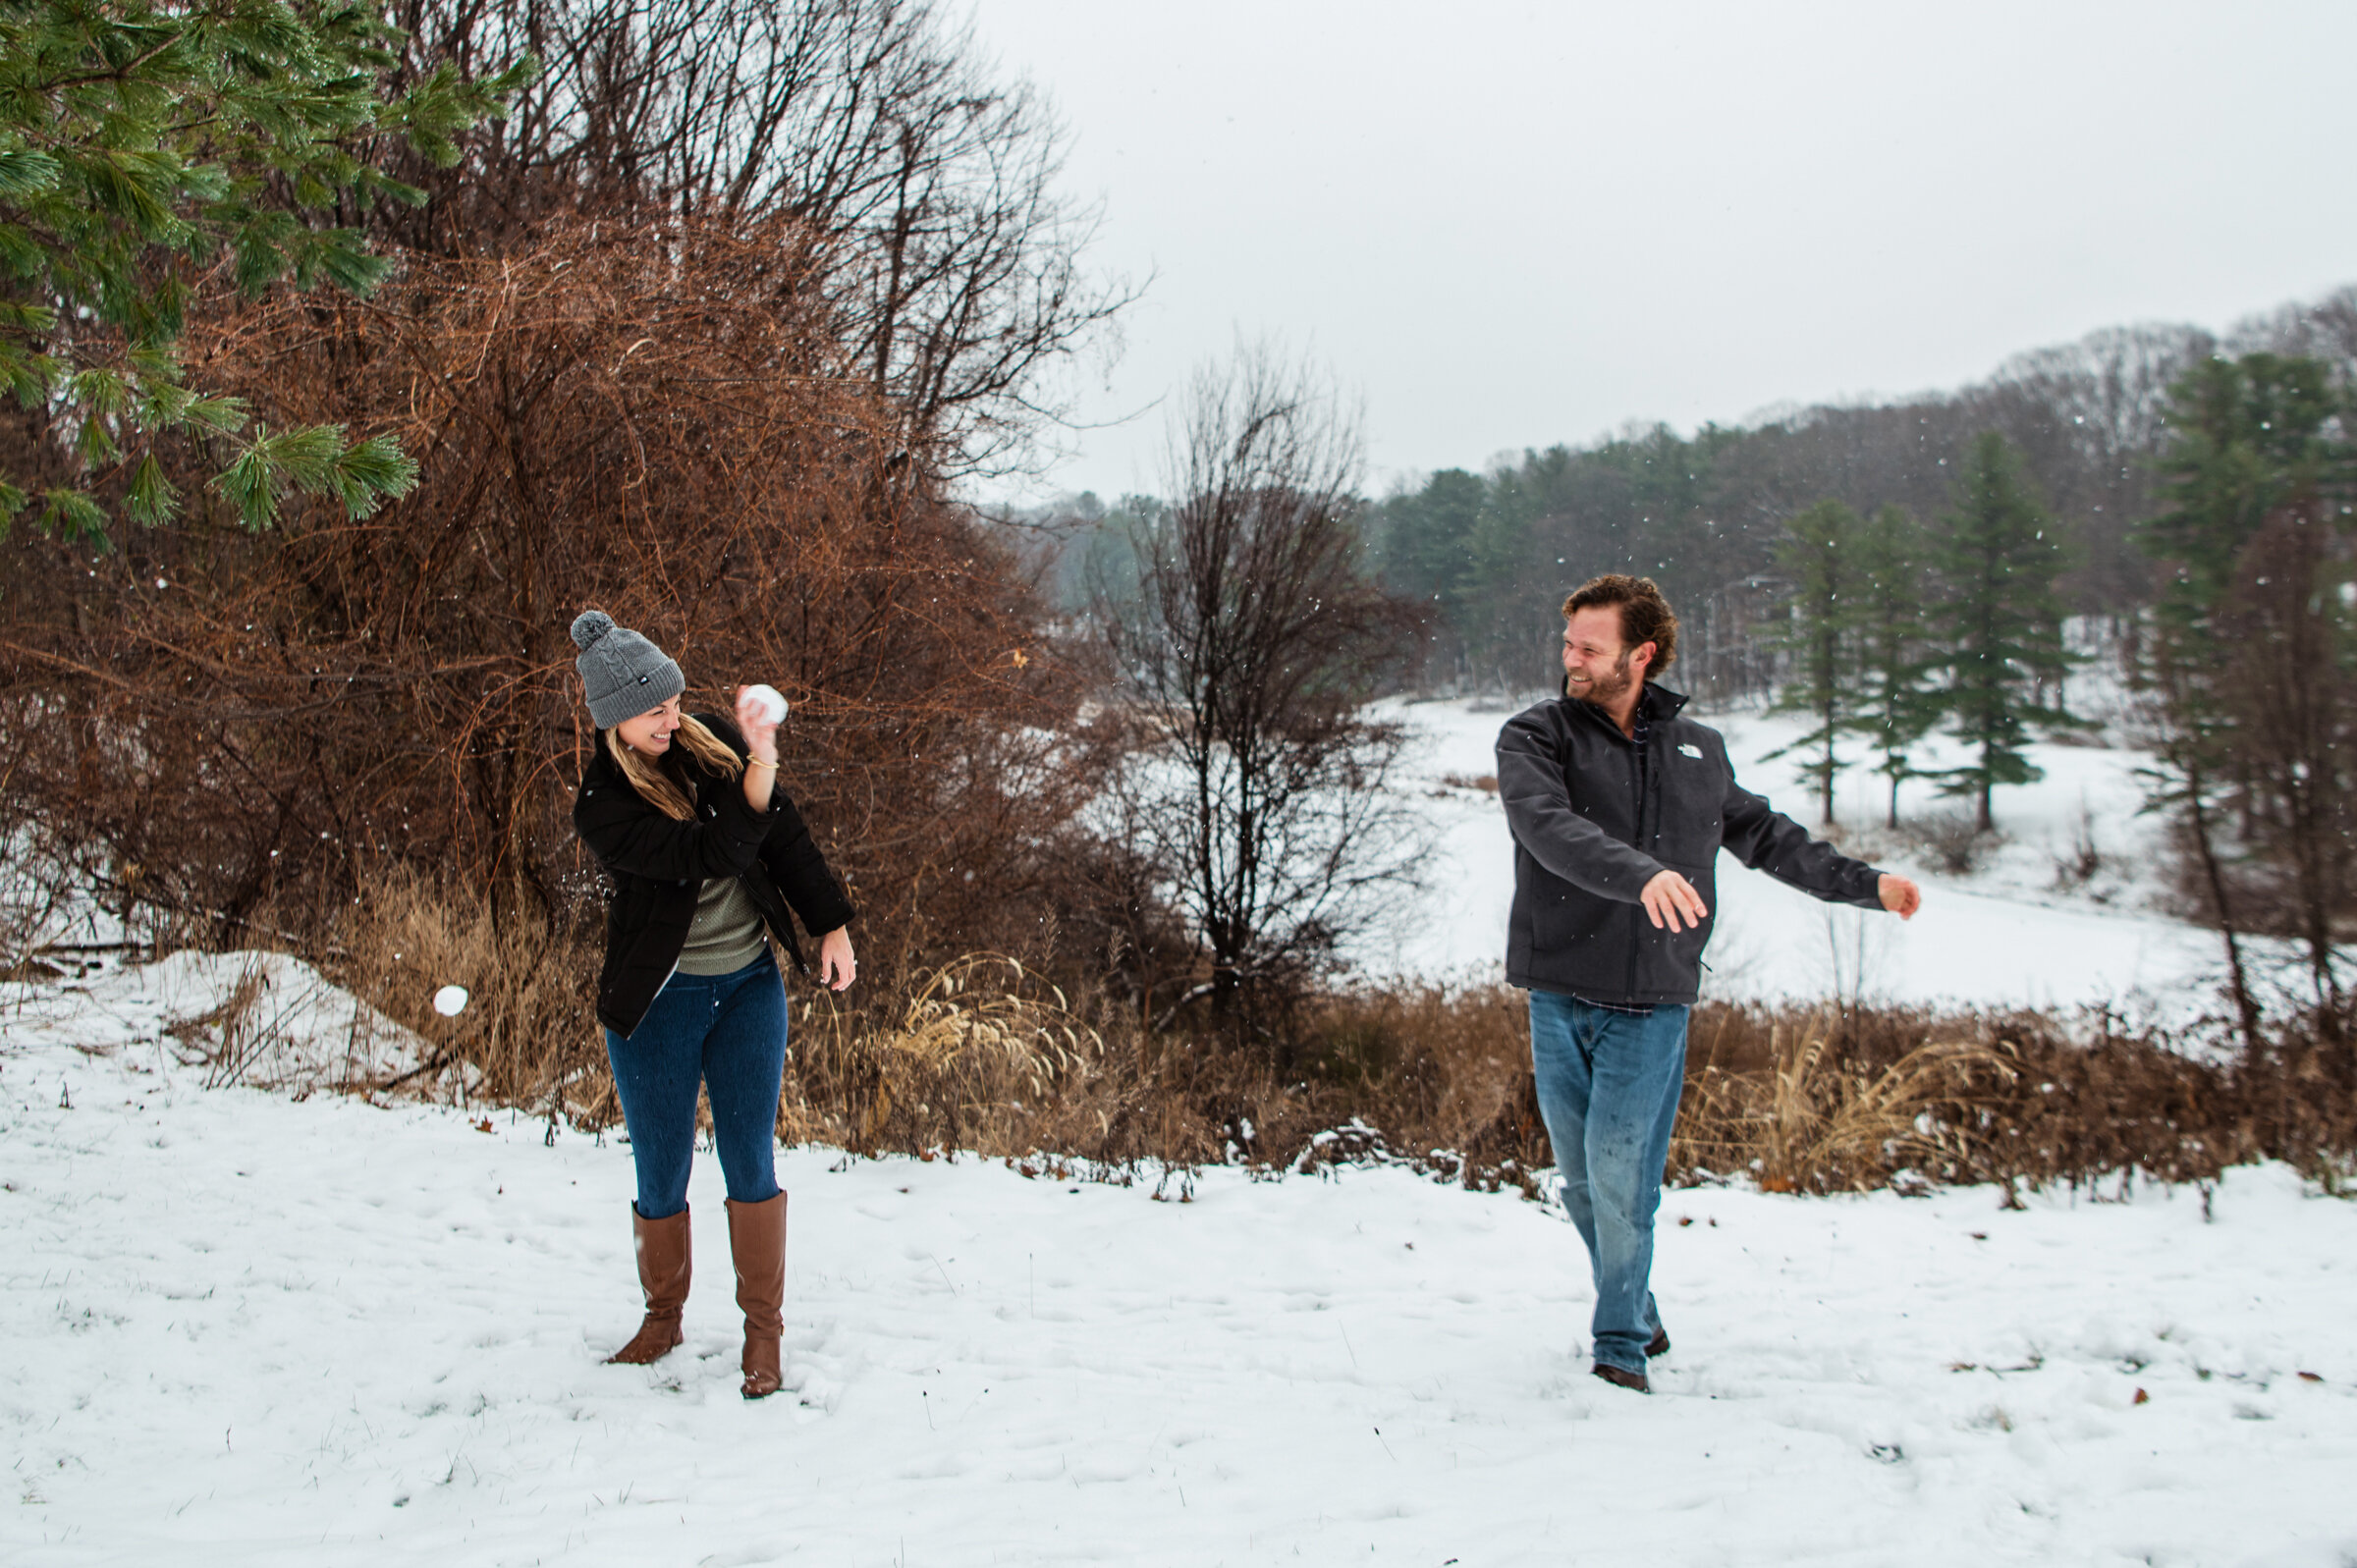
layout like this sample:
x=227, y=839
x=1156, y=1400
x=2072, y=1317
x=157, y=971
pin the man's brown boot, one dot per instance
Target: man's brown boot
x=758, y=1242
x=1622, y=1377
x=662, y=1246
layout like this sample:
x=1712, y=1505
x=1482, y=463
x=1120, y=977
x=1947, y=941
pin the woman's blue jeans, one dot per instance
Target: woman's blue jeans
x=1609, y=1085
x=728, y=1032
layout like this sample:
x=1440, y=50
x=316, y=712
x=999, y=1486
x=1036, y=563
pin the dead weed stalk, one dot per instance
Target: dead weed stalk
x=979, y=1047
x=528, y=1028
x=1819, y=1121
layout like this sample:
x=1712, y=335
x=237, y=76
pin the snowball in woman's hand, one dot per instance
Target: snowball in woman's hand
x=773, y=703
x=450, y=1001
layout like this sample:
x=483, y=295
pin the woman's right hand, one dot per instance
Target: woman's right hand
x=837, y=967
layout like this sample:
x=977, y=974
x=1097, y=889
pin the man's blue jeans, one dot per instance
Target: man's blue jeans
x=1608, y=1084
x=728, y=1031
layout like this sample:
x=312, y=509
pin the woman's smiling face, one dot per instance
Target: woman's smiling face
x=650, y=731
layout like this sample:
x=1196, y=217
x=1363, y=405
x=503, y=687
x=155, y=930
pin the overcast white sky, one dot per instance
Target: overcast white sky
x=1505, y=224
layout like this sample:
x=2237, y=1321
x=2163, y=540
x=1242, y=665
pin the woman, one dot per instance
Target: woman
x=705, y=854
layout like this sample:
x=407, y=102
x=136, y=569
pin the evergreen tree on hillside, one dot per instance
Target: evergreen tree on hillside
x=1422, y=546
x=2247, y=436
x=1106, y=562
x=1997, y=629
x=1821, y=559
x=1488, y=604
x=144, y=144
x=1423, y=537
x=1892, y=708
x=2253, y=652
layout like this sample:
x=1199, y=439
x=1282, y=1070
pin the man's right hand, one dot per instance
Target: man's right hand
x=1670, y=896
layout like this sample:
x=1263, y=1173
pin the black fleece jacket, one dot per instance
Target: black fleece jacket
x=1596, y=816
x=658, y=864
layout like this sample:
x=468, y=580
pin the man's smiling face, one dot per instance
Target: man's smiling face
x=1597, y=668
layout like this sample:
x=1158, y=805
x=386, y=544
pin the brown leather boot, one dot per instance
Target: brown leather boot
x=1622, y=1377
x=758, y=1242
x=662, y=1246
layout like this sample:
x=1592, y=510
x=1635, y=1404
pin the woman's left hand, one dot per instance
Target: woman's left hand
x=837, y=968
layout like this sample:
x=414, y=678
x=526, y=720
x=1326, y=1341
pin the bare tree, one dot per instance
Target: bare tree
x=2180, y=780
x=2088, y=417
x=1246, y=650
x=2289, y=638
x=2323, y=329
x=925, y=183
x=228, y=721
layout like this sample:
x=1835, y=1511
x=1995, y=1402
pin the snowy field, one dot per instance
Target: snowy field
x=246, y=1324
x=238, y=1329
x=2015, y=932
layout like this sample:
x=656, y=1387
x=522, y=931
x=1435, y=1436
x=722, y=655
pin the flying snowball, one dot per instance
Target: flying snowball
x=773, y=703
x=450, y=1001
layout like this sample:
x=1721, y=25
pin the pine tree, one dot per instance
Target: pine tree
x=1998, y=627
x=2253, y=652
x=1894, y=711
x=1820, y=557
x=144, y=144
x=1496, y=552
x=2247, y=436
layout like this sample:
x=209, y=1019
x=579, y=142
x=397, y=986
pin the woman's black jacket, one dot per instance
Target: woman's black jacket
x=658, y=864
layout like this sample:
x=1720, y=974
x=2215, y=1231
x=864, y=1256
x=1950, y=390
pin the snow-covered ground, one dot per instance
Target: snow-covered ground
x=2013, y=931
x=246, y=1321
x=240, y=1328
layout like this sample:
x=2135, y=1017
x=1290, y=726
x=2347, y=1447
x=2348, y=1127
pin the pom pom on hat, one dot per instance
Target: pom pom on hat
x=589, y=626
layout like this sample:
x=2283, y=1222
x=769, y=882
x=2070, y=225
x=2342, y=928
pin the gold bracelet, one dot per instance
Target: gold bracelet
x=756, y=762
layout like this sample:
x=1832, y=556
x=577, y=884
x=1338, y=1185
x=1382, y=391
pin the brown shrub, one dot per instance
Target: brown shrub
x=223, y=724
x=2013, y=1098
x=1800, y=1099
x=986, y=1055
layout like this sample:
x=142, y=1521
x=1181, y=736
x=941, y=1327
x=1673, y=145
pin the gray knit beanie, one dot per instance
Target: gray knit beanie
x=623, y=673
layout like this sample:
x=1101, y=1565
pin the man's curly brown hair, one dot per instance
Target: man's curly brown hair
x=1645, y=616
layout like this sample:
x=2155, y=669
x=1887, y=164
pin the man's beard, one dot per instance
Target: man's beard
x=1603, y=690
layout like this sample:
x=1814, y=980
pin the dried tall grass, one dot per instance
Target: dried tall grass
x=1818, y=1121
x=977, y=1052
x=986, y=1054
x=528, y=1028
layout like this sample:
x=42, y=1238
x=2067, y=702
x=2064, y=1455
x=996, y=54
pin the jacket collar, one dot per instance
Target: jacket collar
x=1655, y=704
x=600, y=767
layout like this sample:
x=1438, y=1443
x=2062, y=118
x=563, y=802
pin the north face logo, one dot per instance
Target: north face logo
x=1688, y=748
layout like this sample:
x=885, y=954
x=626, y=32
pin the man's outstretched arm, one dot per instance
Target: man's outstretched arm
x=1766, y=839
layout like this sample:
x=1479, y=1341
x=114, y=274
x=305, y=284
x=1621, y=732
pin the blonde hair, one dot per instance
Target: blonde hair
x=659, y=787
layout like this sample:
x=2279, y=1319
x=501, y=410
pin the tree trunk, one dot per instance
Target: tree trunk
x=2245, y=1007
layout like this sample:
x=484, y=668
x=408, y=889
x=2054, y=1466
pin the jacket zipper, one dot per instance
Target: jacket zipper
x=1637, y=781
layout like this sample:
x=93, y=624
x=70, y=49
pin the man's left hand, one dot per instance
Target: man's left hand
x=1900, y=896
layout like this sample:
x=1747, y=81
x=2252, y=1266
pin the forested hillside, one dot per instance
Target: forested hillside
x=1490, y=553
x=1904, y=570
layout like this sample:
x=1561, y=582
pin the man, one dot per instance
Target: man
x=1618, y=808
